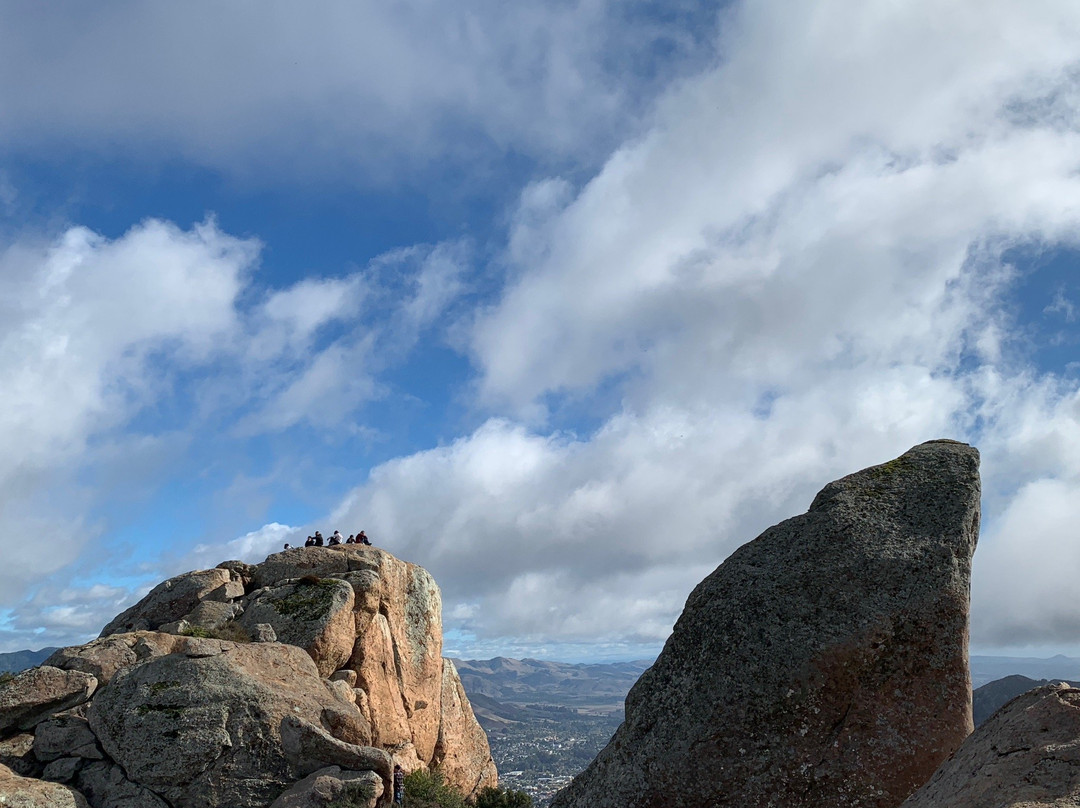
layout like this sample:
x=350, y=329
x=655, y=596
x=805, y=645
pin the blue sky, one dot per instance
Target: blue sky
x=563, y=301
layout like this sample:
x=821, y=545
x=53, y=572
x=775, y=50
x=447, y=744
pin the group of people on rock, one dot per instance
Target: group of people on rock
x=335, y=540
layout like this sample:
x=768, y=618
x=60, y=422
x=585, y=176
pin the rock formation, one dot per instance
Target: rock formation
x=295, y=682
x=822, y=664
x=1027, y=755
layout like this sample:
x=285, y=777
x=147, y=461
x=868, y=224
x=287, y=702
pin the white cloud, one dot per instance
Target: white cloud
x=96, y=332
x=85, y=321
x=384, y=87
x=797, y=272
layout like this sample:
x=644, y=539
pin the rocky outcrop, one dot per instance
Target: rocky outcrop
x=459, y=751
x=315, y=615
x=333, y=786
x=1027, y=755
x=279, y=683
x=202, y=729
x=822, y=664
x=172, y=600
x=27, y=792
x=34, y=695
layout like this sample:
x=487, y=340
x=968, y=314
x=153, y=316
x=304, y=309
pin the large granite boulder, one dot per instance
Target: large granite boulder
x=35, y=694
x=1027, y=755
x=105, y=786
x=462, y=753
x=398, y=652
x=315, y=614
x=822, y=664
x=103, y=657
x=65, y=735
x=202, y=729
x=27, y=792
x=333, y=786
x=171, y=600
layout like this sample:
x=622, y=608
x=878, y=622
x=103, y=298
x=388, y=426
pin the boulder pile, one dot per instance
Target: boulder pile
x=299, y=681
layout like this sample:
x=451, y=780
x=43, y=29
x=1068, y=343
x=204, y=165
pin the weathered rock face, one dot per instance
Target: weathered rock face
x=822, y=664
x=345, y=672
x=26, y=792
x=316, y=616
x=1027, y=755
x=171, y=600
x=34, y=695
x=202, y=729
x=459, y=753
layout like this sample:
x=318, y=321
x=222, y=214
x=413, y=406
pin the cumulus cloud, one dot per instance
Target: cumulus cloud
x=380, y=87
x=801, y=269
x=95, y=333
x=82, y=318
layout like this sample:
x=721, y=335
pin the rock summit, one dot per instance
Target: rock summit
x=298, y=681
x=824, y=663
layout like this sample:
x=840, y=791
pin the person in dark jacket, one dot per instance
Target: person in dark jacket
x=399, y=784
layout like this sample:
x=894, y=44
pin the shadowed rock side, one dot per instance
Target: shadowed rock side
x=1026, y=755
x=822, y=664
x=174, y=705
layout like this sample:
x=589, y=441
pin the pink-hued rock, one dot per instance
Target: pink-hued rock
x=462, y=753
x=35, y=694
x=315, y=615
x=190, y=713
x=168, y=601
x=1026, y=755
x=26, y=792
x=202, y=729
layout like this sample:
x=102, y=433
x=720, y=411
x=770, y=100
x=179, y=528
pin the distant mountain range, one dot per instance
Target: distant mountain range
x=599, y=688
x=21, y=660
x=986, y=669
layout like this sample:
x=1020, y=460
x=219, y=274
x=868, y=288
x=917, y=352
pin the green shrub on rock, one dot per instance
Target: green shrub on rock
x=429, y=790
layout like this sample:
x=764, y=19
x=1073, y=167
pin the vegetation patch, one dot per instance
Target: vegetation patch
x=430, y=790
x=307, y=601
x=6, y=677
x=160, y=709
x=157, y=688
x=231, y=631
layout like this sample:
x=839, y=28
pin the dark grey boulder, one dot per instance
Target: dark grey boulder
x=823, y=664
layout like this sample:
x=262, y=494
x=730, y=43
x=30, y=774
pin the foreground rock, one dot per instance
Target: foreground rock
x=203, y=729
x=34, y=695
x=26, y=792
x=822, y=664
x=1027, y=755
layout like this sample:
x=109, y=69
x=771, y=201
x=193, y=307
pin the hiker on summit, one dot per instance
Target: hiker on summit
x=350, y=539
x=335, y=539
x=361, y=538
x=318, y=539
x=310, y=541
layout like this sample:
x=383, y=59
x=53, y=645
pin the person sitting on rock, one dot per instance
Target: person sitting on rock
x=310, y=541
x=286, y=545
x=318, y=539
x=336, y=538
x=361, y=538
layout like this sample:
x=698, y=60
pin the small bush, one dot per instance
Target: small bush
x=6, y=677
x=430, y=790
x=494, y=797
